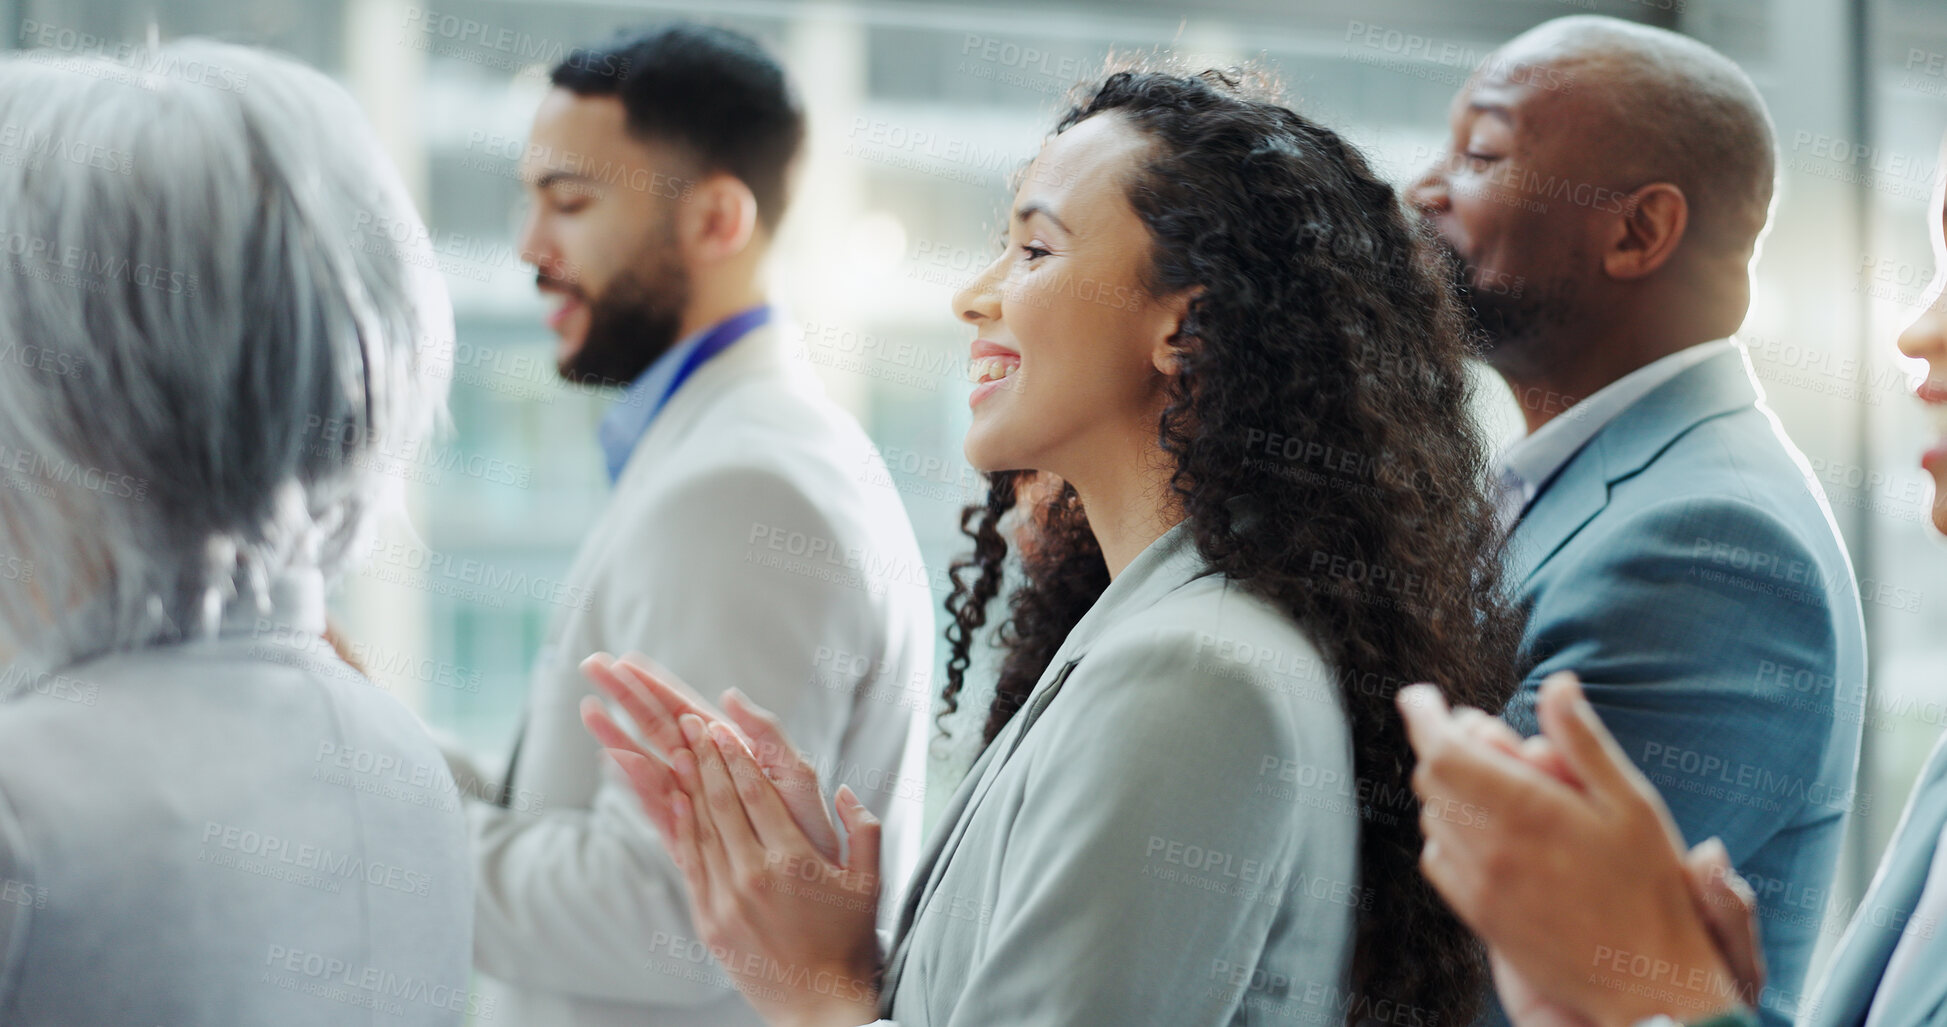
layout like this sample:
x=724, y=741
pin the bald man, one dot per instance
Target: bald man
x=1603, y=199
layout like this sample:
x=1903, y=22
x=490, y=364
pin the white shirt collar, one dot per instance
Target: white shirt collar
x=1533, y=459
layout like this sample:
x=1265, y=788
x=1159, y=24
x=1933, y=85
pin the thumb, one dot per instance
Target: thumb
x=861, y=837
x=774, y=751
x=1584, y=745
x=1593, y=754
x=1730, y=910
x=1424, y=710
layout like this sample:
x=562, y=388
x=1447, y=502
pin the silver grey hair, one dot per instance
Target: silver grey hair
x=220, y=322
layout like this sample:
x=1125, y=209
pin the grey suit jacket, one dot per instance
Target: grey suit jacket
x=1685, y=564
x=1167, y=833
x=754, y=539
x=1852, y=981
x=241, y=830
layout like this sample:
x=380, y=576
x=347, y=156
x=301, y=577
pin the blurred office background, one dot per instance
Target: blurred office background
x=920, y=112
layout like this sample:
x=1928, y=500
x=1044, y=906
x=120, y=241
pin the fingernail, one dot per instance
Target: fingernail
x=1585, y=709
x=692, y=727
x=1566, y=683
x=721, y=735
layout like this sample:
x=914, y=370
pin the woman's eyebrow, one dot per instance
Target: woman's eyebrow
x=1033, y=207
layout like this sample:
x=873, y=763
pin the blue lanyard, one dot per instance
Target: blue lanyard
x=727, y=331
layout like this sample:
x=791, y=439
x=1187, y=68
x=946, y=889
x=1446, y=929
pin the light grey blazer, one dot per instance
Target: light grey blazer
x=754, y=539
x=241, y=830
x=1852, y=981
x=1166, y=834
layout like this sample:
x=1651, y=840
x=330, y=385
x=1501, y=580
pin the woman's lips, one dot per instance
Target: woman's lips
x=1936, y=399
x=989, y=365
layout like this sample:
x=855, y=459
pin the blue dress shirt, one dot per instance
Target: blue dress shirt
x=628, y=421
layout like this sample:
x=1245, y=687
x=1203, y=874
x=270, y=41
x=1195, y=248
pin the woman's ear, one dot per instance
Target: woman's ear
x=1172, y=341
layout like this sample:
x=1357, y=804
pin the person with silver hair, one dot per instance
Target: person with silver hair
x=210, y=341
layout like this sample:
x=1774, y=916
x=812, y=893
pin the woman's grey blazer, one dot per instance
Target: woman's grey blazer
x=241, y=830
x=1166, y=834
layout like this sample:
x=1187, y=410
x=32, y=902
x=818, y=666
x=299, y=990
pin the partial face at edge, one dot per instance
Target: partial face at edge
x=1926, y=340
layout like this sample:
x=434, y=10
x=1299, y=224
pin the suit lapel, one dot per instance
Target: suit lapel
x=1720, y=385
x=1169, y=563
x=1863, y=952
x=1564, y=505
x=754, y=355
x=1923, y=990
x=953, y=825
x=919, y=887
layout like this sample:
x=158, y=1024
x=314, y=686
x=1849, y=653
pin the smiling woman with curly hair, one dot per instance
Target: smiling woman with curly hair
x=1217, y=329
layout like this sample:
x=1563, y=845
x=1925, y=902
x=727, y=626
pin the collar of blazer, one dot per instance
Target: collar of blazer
x=1168, y=564
x=1625, y=446
x=1854, y=976
x=756, y=355
x=288, y=611
x=1164, y=566
x=293, y=600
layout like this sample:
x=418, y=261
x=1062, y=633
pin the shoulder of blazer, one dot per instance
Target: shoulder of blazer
x=1743, y=456
x=756, y=411
x=756, y=358
x=1639, y=435
x=1626, y=447
x=1212, y=628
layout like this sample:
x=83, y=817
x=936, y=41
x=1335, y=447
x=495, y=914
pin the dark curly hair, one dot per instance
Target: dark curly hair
x=1325, y=460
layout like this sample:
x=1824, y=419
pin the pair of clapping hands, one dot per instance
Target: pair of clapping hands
x=1564, y=859
x=786, y=909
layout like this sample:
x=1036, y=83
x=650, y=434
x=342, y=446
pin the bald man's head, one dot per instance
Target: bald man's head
x=1602, y=194
x=1666, y=108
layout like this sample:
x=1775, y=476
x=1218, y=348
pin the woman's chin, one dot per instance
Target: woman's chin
x=985, y=450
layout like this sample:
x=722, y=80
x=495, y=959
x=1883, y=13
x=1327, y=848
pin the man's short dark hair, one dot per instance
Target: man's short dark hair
x=714, y=93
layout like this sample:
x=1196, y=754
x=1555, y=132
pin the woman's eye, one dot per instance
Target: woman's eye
x=1034, y=252
x=1478, y=161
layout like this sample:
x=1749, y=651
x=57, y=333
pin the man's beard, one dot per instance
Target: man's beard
x=633, y=321
x=1506, y=312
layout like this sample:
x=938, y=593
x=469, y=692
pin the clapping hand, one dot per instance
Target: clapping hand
x=744, y=818
x=656, y=699
x=1572, y=860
